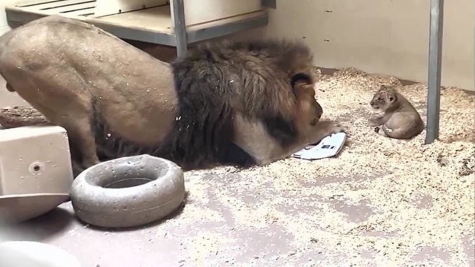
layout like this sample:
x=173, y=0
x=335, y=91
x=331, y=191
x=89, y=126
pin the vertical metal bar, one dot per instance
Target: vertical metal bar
x=435, y=65
x=180, y=27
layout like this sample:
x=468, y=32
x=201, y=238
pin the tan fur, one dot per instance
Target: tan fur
x=128, y=101
x=400, y=119
x=100, y=89
x=253, y=138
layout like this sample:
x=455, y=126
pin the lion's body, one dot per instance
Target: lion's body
x=72, y=72
x=227, y=83
x=117, y=100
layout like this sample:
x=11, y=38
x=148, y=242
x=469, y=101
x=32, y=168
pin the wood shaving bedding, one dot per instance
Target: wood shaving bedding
x=409, y=197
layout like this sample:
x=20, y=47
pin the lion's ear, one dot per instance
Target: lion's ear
x=303, y=78
x=300, y=77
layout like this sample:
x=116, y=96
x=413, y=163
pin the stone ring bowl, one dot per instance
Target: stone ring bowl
x=128, y=191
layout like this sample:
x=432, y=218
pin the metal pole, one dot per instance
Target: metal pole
x=435, y=65
x=180, y=27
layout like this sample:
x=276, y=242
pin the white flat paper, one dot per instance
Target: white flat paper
x=328, y=147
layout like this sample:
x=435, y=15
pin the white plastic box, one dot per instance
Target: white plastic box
x=34, y=160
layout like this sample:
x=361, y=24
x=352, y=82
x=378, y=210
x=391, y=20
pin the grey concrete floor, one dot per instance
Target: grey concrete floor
x=221, y=239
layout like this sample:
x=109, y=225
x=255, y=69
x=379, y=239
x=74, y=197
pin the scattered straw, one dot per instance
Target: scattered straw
x=382, y=202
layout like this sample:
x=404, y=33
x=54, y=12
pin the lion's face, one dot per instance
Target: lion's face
x=315, y=111
x=310, y=110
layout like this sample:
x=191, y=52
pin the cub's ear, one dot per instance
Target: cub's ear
x=392, y=98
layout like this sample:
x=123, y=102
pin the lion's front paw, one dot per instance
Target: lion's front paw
x=334, y=127
x=326, y=128
x=337, y=128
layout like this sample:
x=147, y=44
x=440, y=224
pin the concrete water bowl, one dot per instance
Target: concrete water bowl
x=128, y=191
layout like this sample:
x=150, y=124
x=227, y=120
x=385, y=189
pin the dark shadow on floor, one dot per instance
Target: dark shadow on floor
x=39, y=228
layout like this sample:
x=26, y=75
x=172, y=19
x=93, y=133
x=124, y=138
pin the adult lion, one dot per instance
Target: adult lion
x=240, y=103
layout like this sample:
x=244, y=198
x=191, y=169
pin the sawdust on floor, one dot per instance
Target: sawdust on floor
x=381, y=202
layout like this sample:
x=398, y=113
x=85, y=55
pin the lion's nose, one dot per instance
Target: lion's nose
x=319, y=112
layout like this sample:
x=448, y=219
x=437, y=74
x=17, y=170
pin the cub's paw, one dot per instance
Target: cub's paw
x=380, y=131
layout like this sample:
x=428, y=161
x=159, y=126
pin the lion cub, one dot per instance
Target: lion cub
x=400, y=120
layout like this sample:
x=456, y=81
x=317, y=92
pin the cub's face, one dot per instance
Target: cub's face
x=383, y=99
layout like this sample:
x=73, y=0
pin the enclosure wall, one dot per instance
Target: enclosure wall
x=3, y=20
x=384, y=36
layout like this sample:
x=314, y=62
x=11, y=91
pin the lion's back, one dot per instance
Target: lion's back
x=252, y=75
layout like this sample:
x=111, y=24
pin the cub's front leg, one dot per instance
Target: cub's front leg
x=377, y=121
